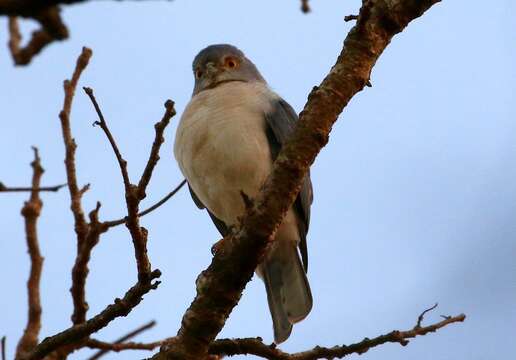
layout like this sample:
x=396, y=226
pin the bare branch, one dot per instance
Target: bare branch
x=120, y=307
x=255, y=346
x=103, y=125
x=135, y=193
x=30, y=211
x=77, y=336
x=120, y=341
x=81, y=227
x=52, y=29
x=220, y=286
x=80, y=269
x=305, y=6
x=348, y=18
x=4, y=188
x=159, y=128
x=150, y=209
x=106, y=347
x=422, y=315
x=3, y=348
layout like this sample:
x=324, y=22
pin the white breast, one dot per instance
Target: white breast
x=221, y=145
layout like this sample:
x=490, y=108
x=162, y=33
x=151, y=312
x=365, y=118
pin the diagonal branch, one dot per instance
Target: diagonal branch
x=30, y=211
x=102, y=123
x=76, y=333
x=150, y=209
x=220, y=286
x=104, y=350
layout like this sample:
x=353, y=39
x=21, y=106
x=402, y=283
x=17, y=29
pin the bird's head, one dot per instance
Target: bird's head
x=218, y=64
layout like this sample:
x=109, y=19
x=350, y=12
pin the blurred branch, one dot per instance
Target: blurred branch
x=305, y=6
x=52, y=29
x=3, y=348
x=55, y=188
x=91, y=343
x=30, y=211
x=348, y=18
x=150, y=209
x=220, y=286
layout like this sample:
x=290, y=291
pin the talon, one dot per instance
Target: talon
x=217, y=247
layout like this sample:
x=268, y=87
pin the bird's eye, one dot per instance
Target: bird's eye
x=198, y=73
x=230, y=62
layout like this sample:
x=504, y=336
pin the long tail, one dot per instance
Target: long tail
x=288, y=291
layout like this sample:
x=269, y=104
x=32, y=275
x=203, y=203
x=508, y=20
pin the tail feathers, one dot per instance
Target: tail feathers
x=288, y=291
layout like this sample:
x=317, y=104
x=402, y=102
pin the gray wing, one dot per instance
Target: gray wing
x=281, y=121
x=221, y=226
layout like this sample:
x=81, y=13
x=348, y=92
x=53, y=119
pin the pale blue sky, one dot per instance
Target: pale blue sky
x=415, y=196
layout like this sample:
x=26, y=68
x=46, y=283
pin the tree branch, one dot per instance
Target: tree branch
x=2, y=344
x=4, y=188
x=255, y=346
x=76, y=333
x=52, y=29
x=134, y=194
x=305, y=6
x=31, y=211
x=150, y=209
x=220, y=286
x=88, y=234
x=120, y=341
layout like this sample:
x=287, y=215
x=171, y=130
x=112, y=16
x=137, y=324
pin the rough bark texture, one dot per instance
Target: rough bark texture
x=30, y=211
x=220, y=286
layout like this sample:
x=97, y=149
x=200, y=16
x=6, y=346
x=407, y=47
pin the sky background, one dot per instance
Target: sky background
x=415, y=195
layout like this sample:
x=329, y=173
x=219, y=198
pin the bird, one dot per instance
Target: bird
x=226, y=142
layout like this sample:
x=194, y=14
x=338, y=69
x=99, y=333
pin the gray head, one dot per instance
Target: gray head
x=218, y=64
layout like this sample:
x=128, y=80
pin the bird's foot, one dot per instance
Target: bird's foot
x=217, y=247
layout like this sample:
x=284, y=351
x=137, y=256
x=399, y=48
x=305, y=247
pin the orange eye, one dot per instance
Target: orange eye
x=230, y=62
x=198, y=73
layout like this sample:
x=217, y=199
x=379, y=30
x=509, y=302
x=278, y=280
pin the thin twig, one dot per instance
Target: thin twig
x=135, y=193
x=159, y=128
x=150, y=209
x=107, y=347
x=3, y=348
x=31, y=211
x=422, y=315
x=103, y=125
x=55, y=188
x=305, y=6
x=120, y=341
x=348, y=18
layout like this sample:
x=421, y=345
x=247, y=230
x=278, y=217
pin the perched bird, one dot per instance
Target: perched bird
x=228, y=137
